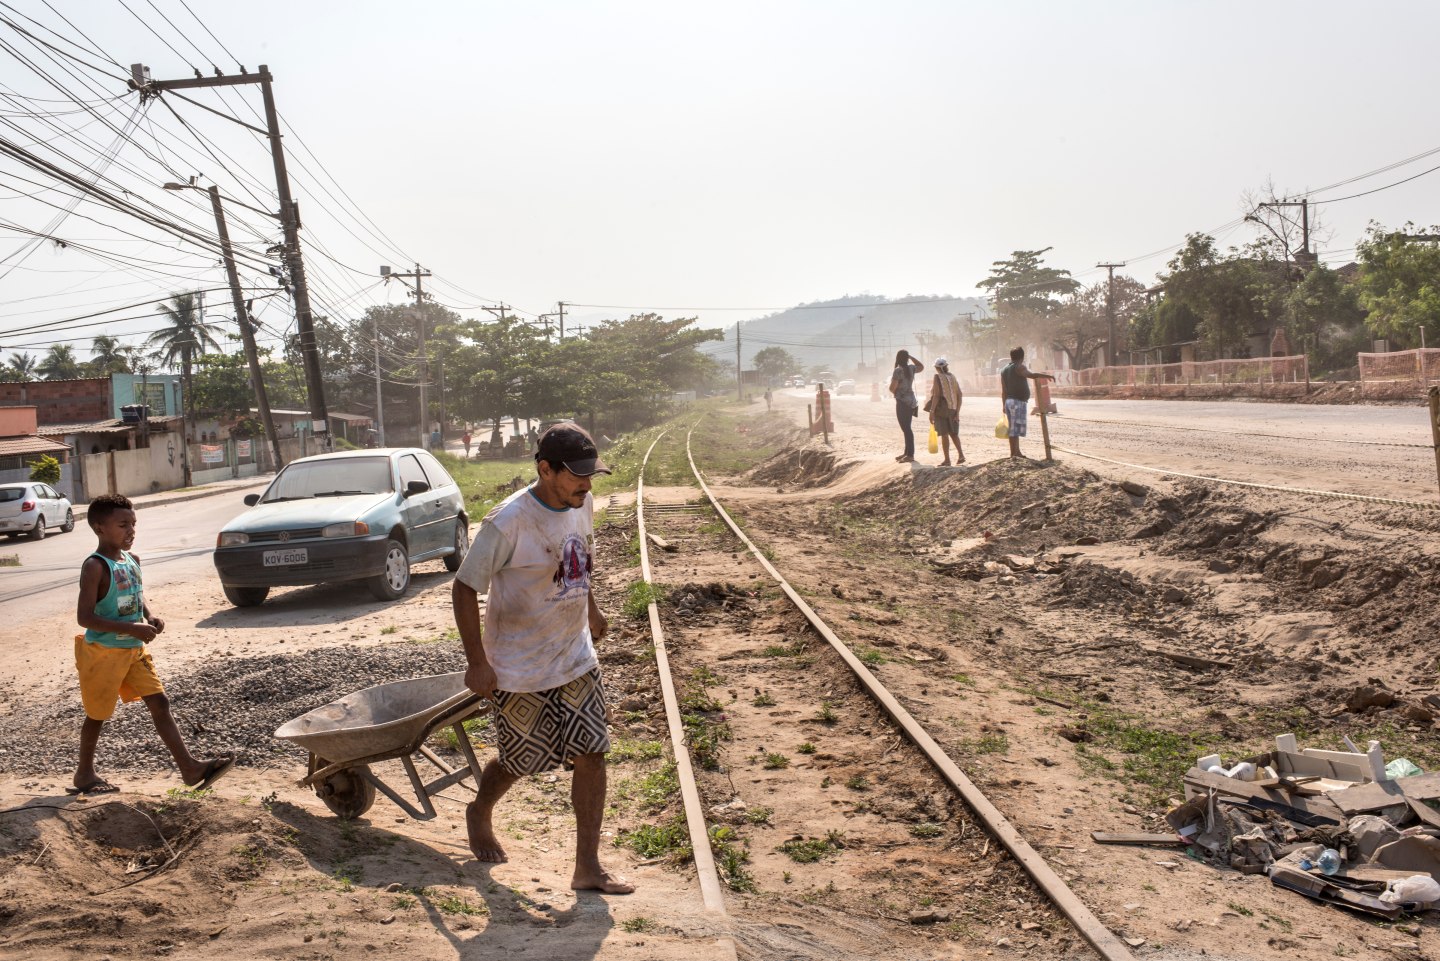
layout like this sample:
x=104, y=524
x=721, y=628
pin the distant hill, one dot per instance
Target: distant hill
x=828, y=332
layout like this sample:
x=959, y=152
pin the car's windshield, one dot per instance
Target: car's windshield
x=332, y=478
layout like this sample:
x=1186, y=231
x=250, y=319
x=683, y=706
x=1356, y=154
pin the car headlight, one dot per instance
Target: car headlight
x=346, y=529
x=232, y=539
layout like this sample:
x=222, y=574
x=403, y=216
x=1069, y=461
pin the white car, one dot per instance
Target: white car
x=845, y=387
x=32, y=508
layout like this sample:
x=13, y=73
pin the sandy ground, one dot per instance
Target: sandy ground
x=1304, y=597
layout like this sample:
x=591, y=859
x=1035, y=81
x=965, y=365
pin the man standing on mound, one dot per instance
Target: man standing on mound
x=535, y=657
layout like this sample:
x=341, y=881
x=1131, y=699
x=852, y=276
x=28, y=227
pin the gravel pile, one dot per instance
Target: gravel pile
x=232, y=704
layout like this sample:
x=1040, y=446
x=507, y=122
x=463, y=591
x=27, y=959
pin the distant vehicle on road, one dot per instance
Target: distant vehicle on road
x=354, y=515
x=845, y=387
x=33, y=508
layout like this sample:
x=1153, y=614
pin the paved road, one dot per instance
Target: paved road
x=174, y=542
x=1323, y=447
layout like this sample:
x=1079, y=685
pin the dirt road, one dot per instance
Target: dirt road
x=1341, y=448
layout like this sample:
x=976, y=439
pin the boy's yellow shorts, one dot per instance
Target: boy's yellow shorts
x=111, y=673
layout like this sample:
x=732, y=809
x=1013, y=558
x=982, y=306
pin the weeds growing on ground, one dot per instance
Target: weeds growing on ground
x=638, y=598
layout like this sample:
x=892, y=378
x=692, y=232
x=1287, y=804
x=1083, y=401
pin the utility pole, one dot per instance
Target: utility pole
x=739, y=382
x=418, y=275
x=561, y=305
x=1305, y=258
x=861, y=321
x=1110, y=315
x=247, y=331
x=289, y=217
x=379, y=407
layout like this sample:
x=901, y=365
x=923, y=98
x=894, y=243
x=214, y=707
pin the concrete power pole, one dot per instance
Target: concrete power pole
x=247, y=330
x=1110, y=315
x=379, y=405
x=739, y=380
x=561, y=305
x=289, y=218
x=418, y=275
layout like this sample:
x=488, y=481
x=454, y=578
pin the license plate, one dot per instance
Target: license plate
x=286, y=557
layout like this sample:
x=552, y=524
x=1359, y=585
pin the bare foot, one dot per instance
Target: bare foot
x=604, y=882
x=483, y=843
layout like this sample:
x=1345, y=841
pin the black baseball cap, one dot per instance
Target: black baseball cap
x=569, y=444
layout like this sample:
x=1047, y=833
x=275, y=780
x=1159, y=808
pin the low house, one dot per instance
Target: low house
x=20, y=446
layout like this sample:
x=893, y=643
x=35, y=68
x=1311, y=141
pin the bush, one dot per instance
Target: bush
x=45, y=470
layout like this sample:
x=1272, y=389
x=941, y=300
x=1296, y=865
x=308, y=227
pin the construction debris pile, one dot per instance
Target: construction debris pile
x=1343, y=827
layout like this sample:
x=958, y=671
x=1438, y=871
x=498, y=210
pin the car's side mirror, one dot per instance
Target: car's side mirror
x=416, y=487
x=251, y=500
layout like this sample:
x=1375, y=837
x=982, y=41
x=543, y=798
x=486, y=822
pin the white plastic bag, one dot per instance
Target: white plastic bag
x=1420, y=887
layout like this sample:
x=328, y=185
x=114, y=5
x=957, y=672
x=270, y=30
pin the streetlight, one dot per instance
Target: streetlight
x=242, y=313
x=229, y=200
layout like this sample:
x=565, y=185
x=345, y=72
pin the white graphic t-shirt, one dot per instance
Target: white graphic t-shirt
x=534, y=561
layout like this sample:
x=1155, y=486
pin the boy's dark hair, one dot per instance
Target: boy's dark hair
x=105, y=505
x=1017, y=354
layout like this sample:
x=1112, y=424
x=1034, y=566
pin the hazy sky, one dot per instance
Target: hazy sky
x=679, y=155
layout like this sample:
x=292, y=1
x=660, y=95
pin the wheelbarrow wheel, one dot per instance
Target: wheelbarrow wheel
x=346, y=793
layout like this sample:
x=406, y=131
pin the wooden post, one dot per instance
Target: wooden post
x=810, y=419
x=1435, y=426
x=1045, y=433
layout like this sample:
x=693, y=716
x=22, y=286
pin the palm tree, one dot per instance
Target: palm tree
x=185, y=339
x=59, y=364
x=108, y=356
x=20, y=369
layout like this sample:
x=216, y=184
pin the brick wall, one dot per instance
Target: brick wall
x=62, y=401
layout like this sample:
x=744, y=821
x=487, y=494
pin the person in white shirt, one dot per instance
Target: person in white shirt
x=535, y=657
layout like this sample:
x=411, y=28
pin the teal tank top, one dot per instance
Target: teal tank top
x=124, y=601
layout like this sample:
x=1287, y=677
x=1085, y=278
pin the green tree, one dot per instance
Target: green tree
x=1027, y=295
x=45, y=470
x=1400, y=284
x=20, y=368
x=775, y=364
x=59, y=363
x=1218, y=299
x=624, y=371
x=494, y=370
x=108, y=356
x=1325, y=319
x=221, y=384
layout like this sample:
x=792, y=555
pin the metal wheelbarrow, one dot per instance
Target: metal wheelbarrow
x=379, y=724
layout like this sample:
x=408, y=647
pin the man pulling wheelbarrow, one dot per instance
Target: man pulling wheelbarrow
x=535, y=658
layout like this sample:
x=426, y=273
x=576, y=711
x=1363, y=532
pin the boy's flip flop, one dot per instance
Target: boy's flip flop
x=218, y=768
x=94, y=787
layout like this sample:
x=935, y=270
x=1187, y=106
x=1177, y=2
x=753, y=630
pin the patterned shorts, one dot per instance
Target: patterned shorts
x=542, y=730
x=1015, y=411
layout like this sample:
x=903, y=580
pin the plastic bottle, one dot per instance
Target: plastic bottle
x=1329, y=861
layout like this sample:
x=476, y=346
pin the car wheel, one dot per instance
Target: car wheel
x=69, y=524
x=246, y=596
x=462, y=544
x=394, y=577
x=38, y=531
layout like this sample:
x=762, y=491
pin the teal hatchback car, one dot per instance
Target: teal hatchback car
x=351, y=516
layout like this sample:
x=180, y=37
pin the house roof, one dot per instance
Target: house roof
x=29, y=444
x=350, y=418
x=93, y=427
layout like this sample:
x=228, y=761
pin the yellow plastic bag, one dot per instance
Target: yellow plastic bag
x=934, y=445
x=1002, y=428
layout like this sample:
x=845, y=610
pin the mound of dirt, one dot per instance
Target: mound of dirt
x=231, y=704
x=91, y=878
x=813, y=465
x=1016, y=504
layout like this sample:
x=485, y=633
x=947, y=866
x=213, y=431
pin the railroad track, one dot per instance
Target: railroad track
x=683, y=697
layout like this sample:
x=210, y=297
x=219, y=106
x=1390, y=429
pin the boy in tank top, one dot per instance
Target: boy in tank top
x=111, y=656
